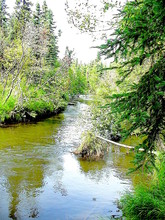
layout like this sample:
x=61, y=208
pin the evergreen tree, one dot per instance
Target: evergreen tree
x=28, y=55
x=139, y=41
x=22, y=15
x=3, y=15
x=49, y=25
x=44, y=12
x=52, y=40
x=37, y=24
x=26, y=10
x=37, y=15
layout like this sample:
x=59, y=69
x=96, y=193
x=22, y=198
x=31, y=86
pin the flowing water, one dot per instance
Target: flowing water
x=40, y=177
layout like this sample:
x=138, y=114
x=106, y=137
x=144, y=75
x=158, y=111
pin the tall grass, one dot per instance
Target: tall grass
x=147, y=202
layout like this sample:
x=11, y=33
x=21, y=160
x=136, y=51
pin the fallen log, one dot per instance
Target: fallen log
x=117, y=144
x=71, y=103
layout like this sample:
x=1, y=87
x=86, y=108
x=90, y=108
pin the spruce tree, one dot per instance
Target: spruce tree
x=3, y=15
x=37, y=24
x=26, y=10
x=49, y=25
x=22, y=15
x=37, y=15
x=138, y=40
x=44, y=12
x=52, y=40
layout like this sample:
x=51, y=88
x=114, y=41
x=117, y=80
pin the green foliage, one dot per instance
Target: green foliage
x=37, y=15
x=22, y=16
x=52, y=39
x=3, y=15
x=77, y=79
x=91, y=147
x=93, y=76
x=32, y=81
x=138, y=40
x=147, y=202
x=6, y=110
x=84, y=78
x=105, y=122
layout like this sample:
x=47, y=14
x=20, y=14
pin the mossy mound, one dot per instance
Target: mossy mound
x=91, y=147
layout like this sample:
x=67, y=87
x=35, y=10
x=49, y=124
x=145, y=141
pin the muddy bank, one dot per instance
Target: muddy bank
x=26, y=116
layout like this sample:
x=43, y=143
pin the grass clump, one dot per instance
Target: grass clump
x=91, y=147
x=147, y=202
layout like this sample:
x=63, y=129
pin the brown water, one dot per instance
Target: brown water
x=40, y=177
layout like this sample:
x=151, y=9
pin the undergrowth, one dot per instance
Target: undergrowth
x=147, y=202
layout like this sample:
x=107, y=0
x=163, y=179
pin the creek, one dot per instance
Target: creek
x=40, y=177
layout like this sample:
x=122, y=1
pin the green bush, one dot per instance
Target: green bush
x=78, y=80
x=147, y=202
x=7, y=108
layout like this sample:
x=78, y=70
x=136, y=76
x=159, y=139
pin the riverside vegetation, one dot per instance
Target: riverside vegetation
x=130, y=92
x=134, y=38
x=34, y=82
x=29, y=65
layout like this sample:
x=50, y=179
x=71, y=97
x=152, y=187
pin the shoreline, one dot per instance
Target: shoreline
x=27, y=118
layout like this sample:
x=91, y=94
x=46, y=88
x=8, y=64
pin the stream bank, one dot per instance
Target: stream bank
x=25, y=115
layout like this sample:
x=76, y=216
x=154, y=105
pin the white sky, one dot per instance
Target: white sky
x=71, y=37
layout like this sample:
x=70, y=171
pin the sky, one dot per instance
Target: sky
x=71, y=37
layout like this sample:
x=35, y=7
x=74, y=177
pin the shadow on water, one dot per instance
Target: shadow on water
x=30, y=134
x=26, y=153
x=40, y=178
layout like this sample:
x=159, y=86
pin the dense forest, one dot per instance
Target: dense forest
x=129, y=92
x=29, y=59
x=34, y=81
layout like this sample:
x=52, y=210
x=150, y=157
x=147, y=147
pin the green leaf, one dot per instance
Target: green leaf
x=162, y=84
x=160, y=93
x=157, y=78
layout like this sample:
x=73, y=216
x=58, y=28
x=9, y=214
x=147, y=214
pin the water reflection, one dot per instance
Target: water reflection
x=25, y=159
x=93, y=169
x=25, y=179
x=41, y=133
x=121, y=160
x=40, y=178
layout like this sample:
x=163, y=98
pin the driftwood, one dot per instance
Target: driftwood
x=117, y=144
x=71, y=103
